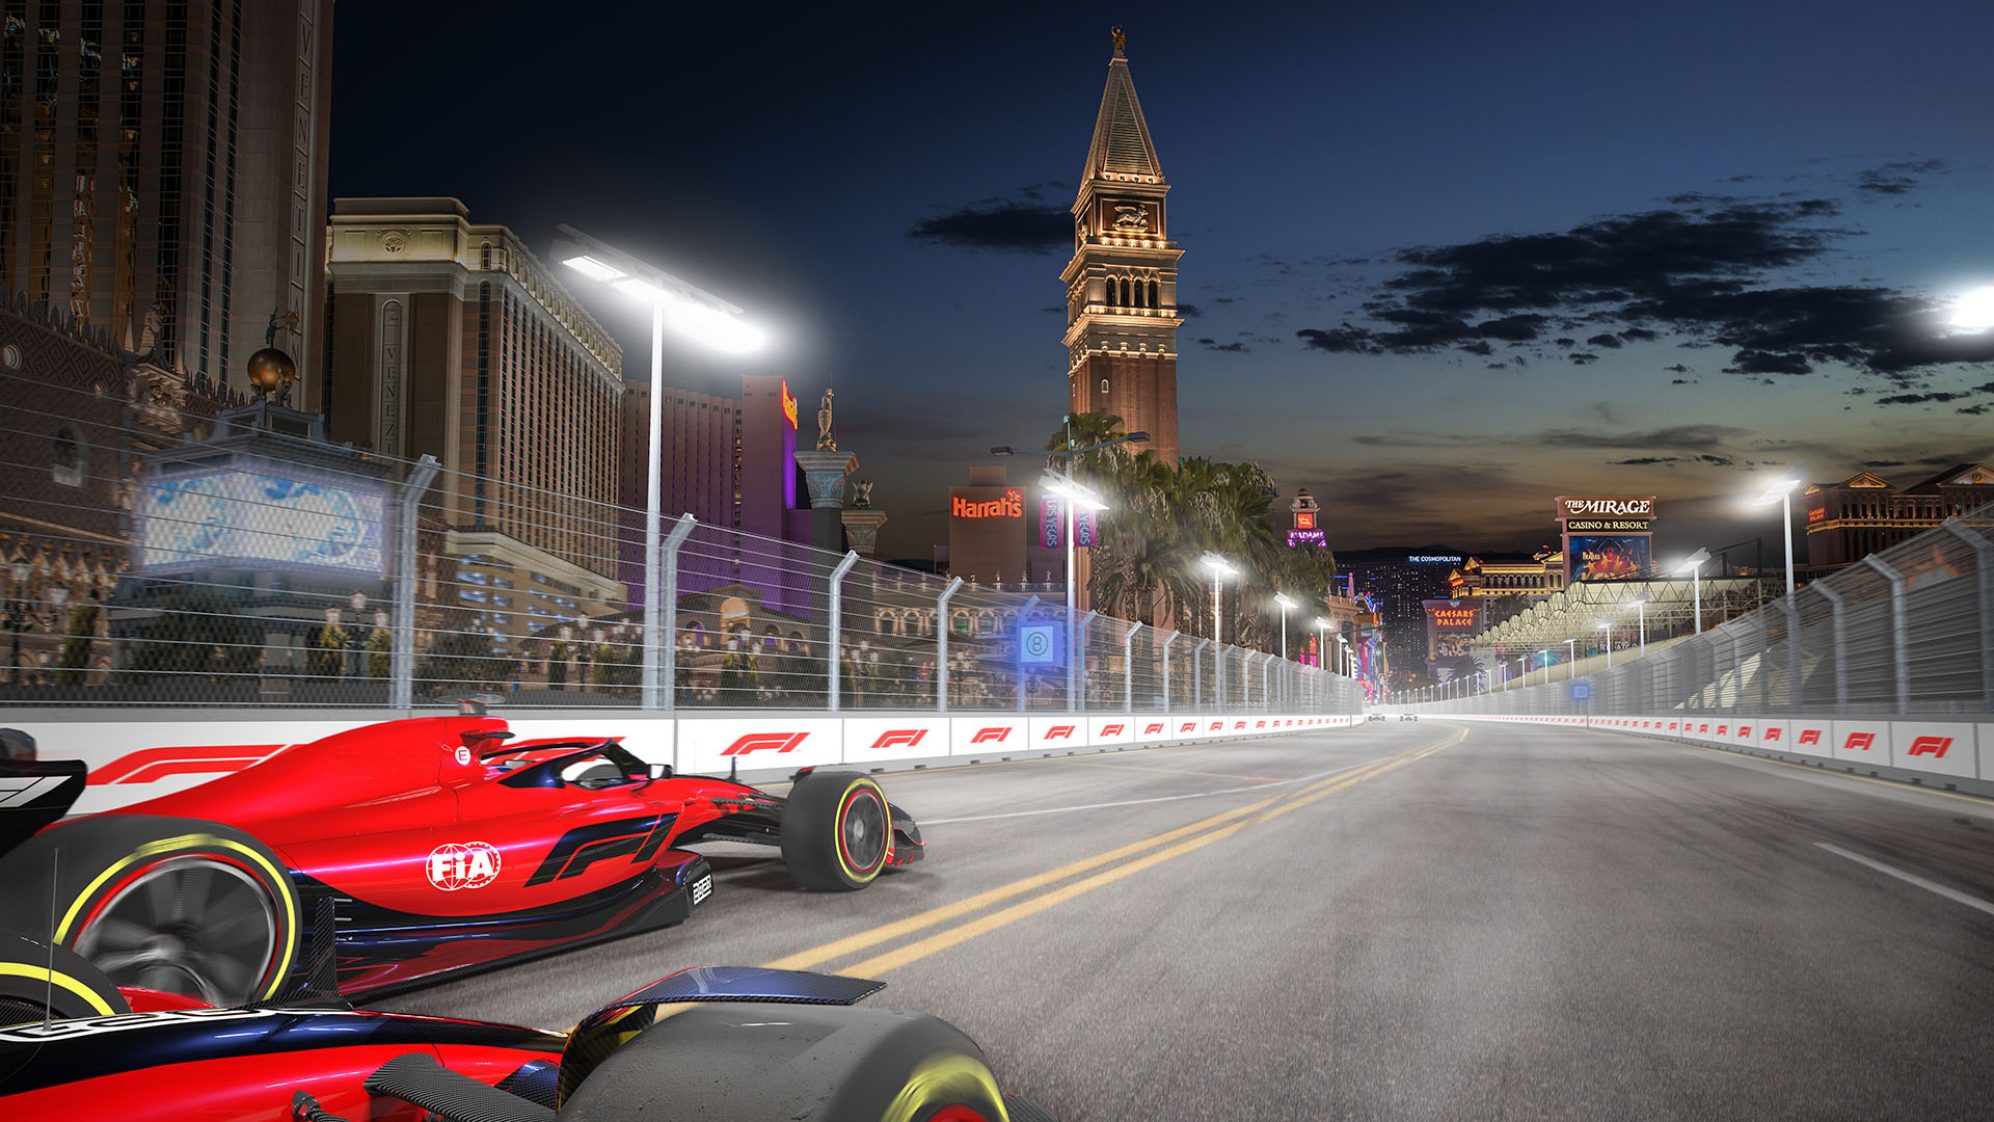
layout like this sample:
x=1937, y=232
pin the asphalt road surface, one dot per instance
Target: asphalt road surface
x=1419, y=921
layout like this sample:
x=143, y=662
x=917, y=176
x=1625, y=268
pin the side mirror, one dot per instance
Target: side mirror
x=661, y=771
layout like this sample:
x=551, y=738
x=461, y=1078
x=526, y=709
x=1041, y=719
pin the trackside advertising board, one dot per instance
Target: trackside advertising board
x=711, y=746
x=870, y=740
x=988, y=735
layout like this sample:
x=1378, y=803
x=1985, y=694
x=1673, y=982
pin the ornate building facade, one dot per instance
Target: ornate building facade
x=450, y=338
x=163, y=174
x=1121, y=285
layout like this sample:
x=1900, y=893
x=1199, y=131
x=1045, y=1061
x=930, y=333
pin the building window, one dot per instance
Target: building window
x=68, y=469
x=485, y=256
x=1104, y=385
x=1153, y=301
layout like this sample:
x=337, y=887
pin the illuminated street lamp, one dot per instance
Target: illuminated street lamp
x=1641, y=606
x=1286, y=605
x=1322, y=643
x=1349, y=667
x=1974, y=312
x=692, y=312
x=1220, y=570
x=1608, y=628
x=1545, y=654
x=1572, y=657
x=1694, y=565
x=1781, y=491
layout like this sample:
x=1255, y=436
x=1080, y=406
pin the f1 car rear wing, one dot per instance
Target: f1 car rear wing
x=34, y=793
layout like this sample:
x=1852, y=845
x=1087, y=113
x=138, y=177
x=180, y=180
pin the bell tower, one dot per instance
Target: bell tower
x=1121, y=286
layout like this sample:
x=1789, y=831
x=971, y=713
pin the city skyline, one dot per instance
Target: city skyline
x=1703, y=217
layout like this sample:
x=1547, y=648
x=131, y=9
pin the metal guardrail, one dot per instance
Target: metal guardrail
x=253, y=568
x=1907, y=632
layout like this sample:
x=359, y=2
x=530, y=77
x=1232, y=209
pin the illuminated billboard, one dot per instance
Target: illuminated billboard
x=232, y=517
x=1616, y=557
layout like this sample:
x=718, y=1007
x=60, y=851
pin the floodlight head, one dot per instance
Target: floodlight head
x=1286, y=605
x=1219, y=566
x=1776, y=490
x=1323, y=625
x=1081, y=497
x=593, y=269
x=1602, y=625
x=1342, y=640
x=1693, y=562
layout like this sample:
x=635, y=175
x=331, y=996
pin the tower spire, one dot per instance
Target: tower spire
x=1121, y=285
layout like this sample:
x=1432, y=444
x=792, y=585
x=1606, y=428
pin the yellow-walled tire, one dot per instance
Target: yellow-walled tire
x=754, y=1061
x=177, y=905
x=836, y=831
x=37, y=981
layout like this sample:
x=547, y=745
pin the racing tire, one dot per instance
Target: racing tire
x=836, y=830
x=38, y=981
x=750, y=1062
x=176, y=905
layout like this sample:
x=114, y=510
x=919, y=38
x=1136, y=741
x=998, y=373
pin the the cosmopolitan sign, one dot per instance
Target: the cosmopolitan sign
x=1011, y=504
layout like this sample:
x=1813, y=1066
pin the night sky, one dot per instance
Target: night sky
x=1447, y=260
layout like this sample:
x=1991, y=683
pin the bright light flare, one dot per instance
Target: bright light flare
x=1281, y=600
x=1974, y=312
x=593, y=269
x=1693, y=562
x=1775, y=491
x=714, y=328
x=644, y=291
x=1219, y=566
x=1082, y=497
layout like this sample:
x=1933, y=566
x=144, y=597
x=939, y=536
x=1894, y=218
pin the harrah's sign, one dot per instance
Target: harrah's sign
x=1011, y=504
x=1569, y=508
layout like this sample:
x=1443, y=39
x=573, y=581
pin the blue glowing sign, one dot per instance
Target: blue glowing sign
x=1039, y=644
x=1581, y=691
x=229, y=517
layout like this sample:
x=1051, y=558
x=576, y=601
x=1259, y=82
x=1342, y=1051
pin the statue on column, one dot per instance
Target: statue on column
x=825, y=441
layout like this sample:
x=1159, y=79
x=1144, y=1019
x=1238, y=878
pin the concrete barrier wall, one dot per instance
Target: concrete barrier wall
x=1956, y=752
x=141, y=757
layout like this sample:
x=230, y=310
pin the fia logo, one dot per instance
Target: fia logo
x=469, y=865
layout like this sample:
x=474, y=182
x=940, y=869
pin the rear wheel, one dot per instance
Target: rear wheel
x=836, y=829
x=39, y=981
x=748, y=1062
x=175, y=905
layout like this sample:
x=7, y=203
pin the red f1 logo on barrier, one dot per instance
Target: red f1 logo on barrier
x=756, y=741
x=1059, y=732
x=1744, y=732
x=1810, y=736
x=985, y=735
x=1930, y=746
x=1216, y=726
x=899, y=738
x=1189, y=726
x=1704, y=727
x=1859, y=742
x=1772, y=732
x=1721, y=728
x=1155, y=729
x=1111, y=730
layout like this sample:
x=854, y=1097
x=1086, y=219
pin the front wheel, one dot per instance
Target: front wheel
x=836, y=831
x=749, y=1062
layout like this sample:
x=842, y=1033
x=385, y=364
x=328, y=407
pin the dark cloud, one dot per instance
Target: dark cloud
x=1897, y=178
x=1699, y=270
x=1706, y=458
x=1192, y=311
x=1021, y=224
x=1681, y=438
x=1920, y=398
x=1676, y=368
x=1645, y=460
x=1883, y=463
x=1610, y=342
x=1582, y=358
x=1234, y=347
x=1478, y=347
x=1682, y=381
x=1975, y=410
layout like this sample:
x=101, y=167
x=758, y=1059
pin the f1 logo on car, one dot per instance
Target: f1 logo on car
x=1859, y=742
x=1810, y=736
x=756, y=741
x=470, y=865
x=900, y=738
x=985, y=735
x=1059, y=732
x=1930, y=746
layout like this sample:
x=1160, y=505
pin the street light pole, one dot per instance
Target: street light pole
x=1783, y=491
x=1608, y=628
x=1572, y=658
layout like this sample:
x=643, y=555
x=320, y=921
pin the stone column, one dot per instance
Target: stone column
x=825, y=473
x=862, y=529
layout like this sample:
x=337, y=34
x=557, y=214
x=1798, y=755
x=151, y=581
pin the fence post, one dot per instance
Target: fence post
x=1266, y=671
x=1793, y=655
x=1198, y=674
x=837, y=621
x=942, y=645
x=1166, y=670
x=1076, y=663
x=661, y=651
x=1018, y=669
x=401, y=657
x=1983, y=559
x=1128, y=667
x=1899, y=626
x=1838, y=634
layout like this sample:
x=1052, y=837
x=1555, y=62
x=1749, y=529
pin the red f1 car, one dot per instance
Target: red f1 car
x=398, y=851
x=718, y=1044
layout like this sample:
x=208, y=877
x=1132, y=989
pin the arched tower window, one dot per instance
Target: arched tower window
x=1154, y=302
x=1128, y=293
x=1104, y=385
x=485, y=256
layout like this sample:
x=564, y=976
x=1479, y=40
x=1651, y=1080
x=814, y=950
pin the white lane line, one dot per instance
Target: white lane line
x=925, y=823
x=1952, y=894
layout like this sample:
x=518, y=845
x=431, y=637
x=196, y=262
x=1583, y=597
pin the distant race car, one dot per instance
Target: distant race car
x=399, y=851
x=1408, y=716
x=717, y=1044
x=1374, y=716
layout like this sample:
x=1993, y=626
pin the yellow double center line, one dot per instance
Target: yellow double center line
x=1153, y=851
